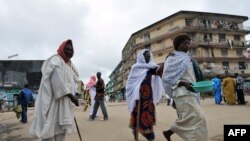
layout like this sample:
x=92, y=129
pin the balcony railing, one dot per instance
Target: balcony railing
x=223, y=28
x=220, y=58
x=177, y=28
x=220, y=42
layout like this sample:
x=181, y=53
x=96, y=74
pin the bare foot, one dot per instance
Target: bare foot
x=167, y=134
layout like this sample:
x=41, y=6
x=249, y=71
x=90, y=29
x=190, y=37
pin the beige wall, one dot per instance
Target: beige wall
x=180, y=22
x=159, y=31
x=159, y=59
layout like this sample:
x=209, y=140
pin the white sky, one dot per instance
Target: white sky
x=99, y=28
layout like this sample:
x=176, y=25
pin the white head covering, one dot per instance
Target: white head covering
x=137, y=74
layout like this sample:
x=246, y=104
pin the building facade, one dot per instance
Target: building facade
x=115, y=86
x=17, y=73
x=14, y=74
x=217, y=42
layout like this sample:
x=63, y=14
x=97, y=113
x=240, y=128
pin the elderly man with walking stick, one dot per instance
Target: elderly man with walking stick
x=54, y=109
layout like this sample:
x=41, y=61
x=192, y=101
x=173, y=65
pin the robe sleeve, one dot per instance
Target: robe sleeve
x=59, y=86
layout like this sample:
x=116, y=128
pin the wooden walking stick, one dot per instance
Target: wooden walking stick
x=78, y=129
x=137, y=121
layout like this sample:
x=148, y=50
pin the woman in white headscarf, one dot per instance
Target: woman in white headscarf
x=143, y=91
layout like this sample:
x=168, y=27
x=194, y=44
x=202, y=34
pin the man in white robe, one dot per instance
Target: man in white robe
x=54, y=109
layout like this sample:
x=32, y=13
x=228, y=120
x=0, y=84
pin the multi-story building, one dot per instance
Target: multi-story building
x=218, y=41
x=109, y=88
x=115, y=85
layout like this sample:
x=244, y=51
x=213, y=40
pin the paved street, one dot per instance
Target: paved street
x=116, y=128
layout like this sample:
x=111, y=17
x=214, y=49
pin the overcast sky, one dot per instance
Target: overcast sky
x=99, y=28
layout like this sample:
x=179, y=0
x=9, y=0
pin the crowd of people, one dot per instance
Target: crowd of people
x=229, y=89
x=57, y=96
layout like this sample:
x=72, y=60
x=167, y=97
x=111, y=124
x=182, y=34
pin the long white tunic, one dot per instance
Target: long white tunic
x=191, y=123
x=53, y=110
x=92, y=93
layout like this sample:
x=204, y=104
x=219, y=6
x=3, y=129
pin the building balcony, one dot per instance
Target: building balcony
x=197, y=42
x=219, y=69
x=177, y=30
x=227, y=58
x=244, y=29
x=219, y=43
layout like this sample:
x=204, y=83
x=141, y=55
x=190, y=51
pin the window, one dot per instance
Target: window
x=242, y=65
x=193, y=51
x=239, y=52
x=225, y=65
x=146, y=37
x=234, y=26
x=236, y=37
x=222, y=37
x=224, y=52
x=148, y=46
x=207, y=37
x=189, y=22
x=206, y=23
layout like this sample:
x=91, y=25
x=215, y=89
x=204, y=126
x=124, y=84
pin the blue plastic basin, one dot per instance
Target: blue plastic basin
x=203, y=86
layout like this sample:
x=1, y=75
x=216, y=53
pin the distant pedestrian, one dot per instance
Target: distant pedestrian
x=143, y=92
x=107, y=98
x=1, y=105
x=229, y=90
x=25, y=98
x=99, y=98
x=92, y=93
x=217, y=89
x=4, y=104
x=80, y=90
x=240, y=89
